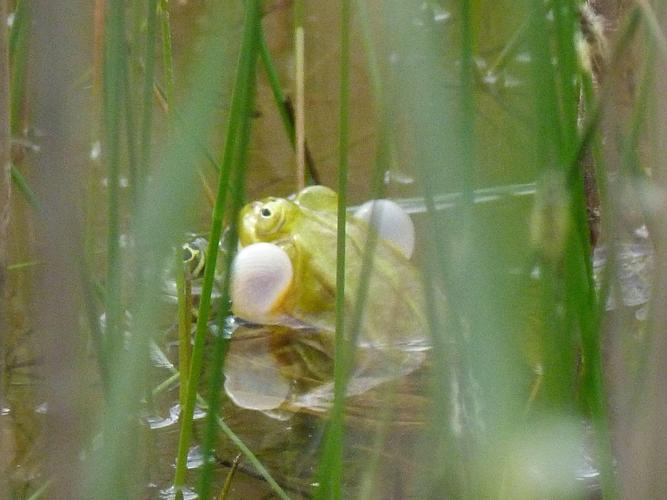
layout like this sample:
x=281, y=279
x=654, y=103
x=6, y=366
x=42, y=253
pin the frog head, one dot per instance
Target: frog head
x=281, y=238
x=267, y=220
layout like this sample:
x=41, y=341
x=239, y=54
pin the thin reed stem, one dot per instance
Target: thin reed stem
x=226, y=488
x=113, y=93
x=184, y=294
x=238, y=115
x=330, y=469
x=167, y=53
x=130, y=136
x=299, y=49
x=285, y=108
x=149, y=81
x=247, y=98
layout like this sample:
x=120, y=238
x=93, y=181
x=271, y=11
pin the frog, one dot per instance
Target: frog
x=285, y=272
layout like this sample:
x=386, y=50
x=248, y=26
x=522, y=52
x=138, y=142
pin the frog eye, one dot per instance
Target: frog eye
x=271, y=217
x=189, y=253
x=261, y=275
x=194, y=256
x=391, y=222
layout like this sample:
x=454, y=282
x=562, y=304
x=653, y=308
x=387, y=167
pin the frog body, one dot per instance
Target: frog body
x=304, y=227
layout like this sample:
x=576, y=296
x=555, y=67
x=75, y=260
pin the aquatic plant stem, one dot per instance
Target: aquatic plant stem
x=276, y=89
x=5, y=151
x=113, y=90
x=184, y=294
x=330, y=469
x=41, y=490
x=285, y=109
x=130, y=136
x=23, y=186
x=300, y=104
x=149, y=82
x=594, y=392
x=238, y=114
x=18, y=58
x=5, y=205
x=17, y=63
x=221, y=342
x=167, y=54
x=230, y=477
x=252, y=458
x=467, y=128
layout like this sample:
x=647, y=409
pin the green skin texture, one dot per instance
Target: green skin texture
x=305, y=228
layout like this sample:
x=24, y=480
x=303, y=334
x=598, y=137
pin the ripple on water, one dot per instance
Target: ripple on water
x=170, y=493
x=195, y=457
x=157, y=422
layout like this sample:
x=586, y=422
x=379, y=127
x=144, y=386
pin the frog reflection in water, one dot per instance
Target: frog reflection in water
x=284, y=277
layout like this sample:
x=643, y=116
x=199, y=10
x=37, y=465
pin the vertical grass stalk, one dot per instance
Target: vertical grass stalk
x=184, y=294
x=330, y=469
x=149, y=82
x=299, y=40
x=167, y=53
x=18, y=58
x=285, y=107
x=245, y=71
x=113, y=91
x=5, y=206
x=221, y=343
x=276, y=88
x=130, y=136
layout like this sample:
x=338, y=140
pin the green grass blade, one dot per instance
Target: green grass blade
x=40, y=491
x=160, y=223
x=149, y=81
x=114, y=67
x=330, y=469
x=184, y=294
x=285, y=107
x=276, y=88
x=23, y=186
x=236, y=119
x=130, y=135
x=247, y=97
x=167, y=53
x=18, y=58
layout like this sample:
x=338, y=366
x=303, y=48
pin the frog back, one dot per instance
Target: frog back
x=392, y=302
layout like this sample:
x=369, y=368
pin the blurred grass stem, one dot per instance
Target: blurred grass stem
x=114, y=69
x=167, y=53
x=247, y=81
x=147, y=105
x=59, y=111
x=5, y=206
x=5, y=154
x=238, y=115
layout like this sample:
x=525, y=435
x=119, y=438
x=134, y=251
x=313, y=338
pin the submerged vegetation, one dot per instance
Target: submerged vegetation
x=518, y=353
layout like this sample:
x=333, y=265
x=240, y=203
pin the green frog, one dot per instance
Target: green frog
x=285, y=272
